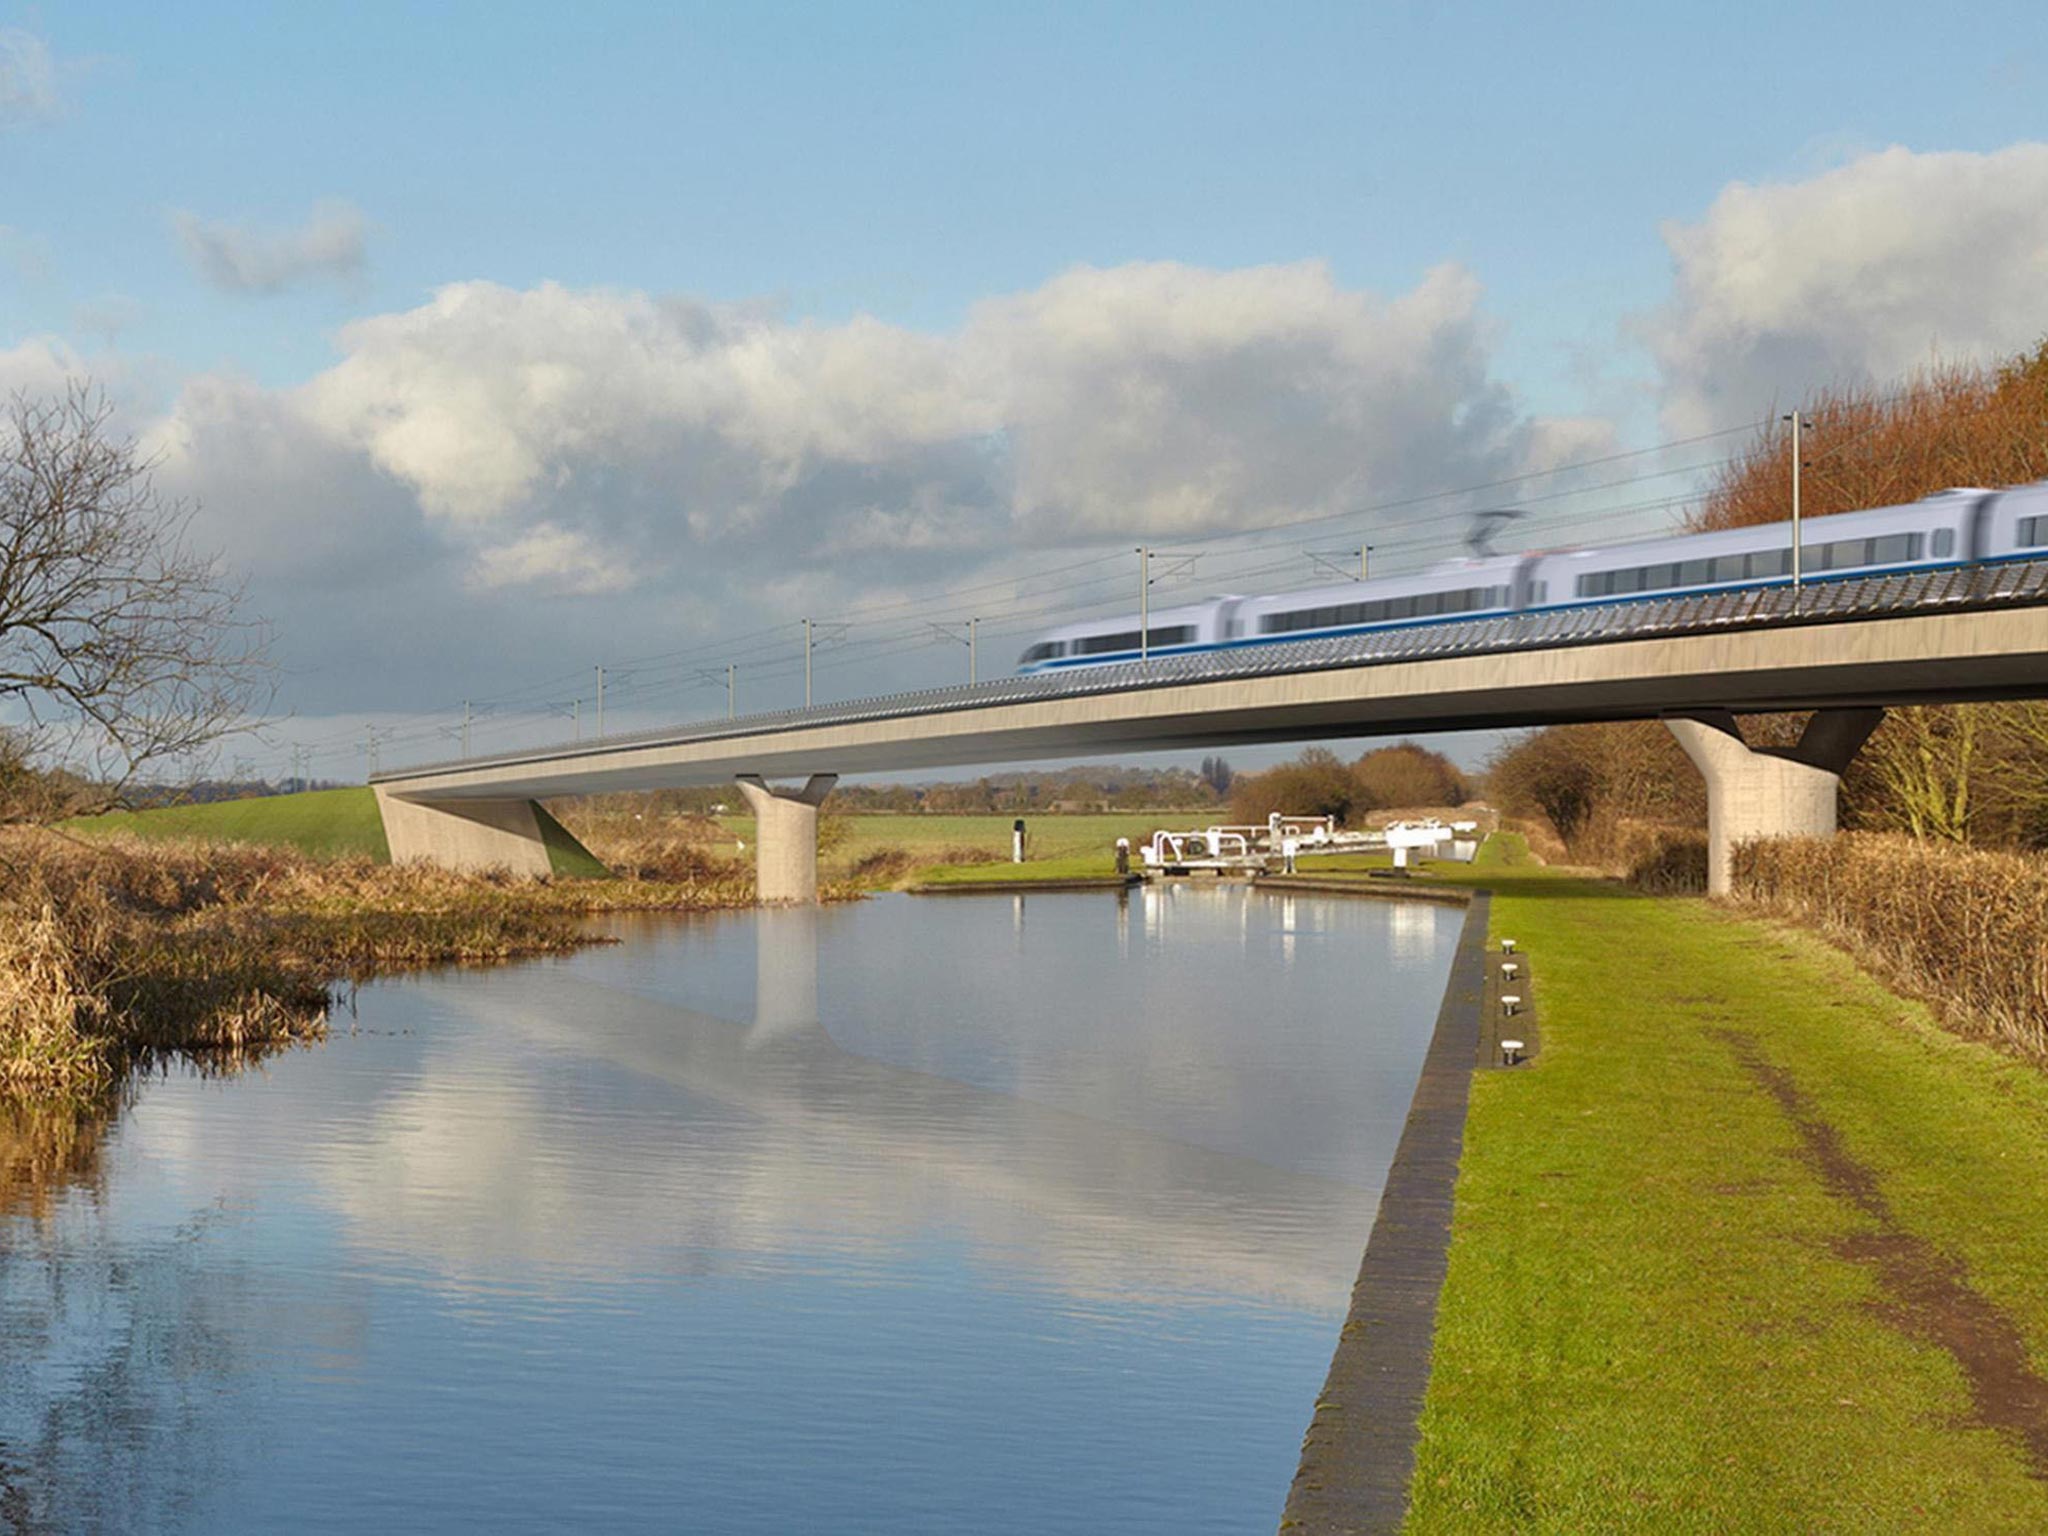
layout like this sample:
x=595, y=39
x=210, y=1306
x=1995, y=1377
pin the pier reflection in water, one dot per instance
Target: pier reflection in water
x=1029, y=1213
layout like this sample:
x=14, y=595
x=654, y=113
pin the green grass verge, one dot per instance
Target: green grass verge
x=321, y=822
x=1655, y=1317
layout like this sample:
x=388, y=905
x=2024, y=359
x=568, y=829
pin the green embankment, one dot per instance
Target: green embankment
x=1663, y=1313
x=323, y=822
x=326, y=823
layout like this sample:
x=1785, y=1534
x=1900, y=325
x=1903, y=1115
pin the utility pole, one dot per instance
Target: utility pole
x=945, y=632
x=465, y=728
x=825, y=633
x=710, y=676
x=600, y=703
x=1797, y=574
x=1144, y=603
x=1365, y=562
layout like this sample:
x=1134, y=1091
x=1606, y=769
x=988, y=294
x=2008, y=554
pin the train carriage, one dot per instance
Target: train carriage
x=1963, y=526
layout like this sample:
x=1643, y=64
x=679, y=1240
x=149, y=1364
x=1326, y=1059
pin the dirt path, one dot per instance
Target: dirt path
x=1928, y=1295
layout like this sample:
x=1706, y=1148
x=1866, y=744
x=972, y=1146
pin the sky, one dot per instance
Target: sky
x=497, y=343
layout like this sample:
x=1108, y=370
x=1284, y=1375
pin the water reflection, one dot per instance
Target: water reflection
x=912, y=1216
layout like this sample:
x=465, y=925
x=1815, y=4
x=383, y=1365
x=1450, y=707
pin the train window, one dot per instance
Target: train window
x=2033, y=531
x=1895, y=548
x=1130, y=639
x=1768, y=562
x=1695, y=573
x=1944, y=543
x=1096, y=645
x=1727, y=568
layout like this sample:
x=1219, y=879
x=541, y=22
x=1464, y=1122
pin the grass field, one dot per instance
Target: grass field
x=344, y=821
x=1056, y=847
x=1753, y=1246
x=321, y=822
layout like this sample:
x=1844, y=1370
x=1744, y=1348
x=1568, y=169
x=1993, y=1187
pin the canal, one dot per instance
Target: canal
x=1018, y=1213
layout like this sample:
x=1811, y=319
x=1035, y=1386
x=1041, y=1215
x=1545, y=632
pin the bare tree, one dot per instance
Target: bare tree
x=122, y=650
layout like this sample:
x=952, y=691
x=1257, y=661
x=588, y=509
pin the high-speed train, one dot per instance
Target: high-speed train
x=1959, y=527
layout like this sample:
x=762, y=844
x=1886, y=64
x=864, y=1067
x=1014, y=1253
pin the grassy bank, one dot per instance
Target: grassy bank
x=1754, y=1246
x=325, y=823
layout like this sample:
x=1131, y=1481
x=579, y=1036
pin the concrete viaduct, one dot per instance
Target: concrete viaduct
x=1845, y=648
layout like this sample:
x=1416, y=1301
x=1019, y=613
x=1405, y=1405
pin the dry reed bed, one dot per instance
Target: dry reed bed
x=1963, y=929
x=113, y=951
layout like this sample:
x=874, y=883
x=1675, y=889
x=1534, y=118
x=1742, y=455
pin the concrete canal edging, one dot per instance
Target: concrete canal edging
x=1359, y=1452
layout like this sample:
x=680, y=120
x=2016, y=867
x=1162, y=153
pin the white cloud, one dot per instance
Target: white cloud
x=39, y=365
x=238, y=259
x=553, y=559
x=702, y=469
x=1861, y=273
x=28, y=78
x=1139, y=400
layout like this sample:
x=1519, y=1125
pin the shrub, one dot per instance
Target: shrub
x=1668, y=861
x=1408, y=774
x=1965, y=929
x=1314, y=784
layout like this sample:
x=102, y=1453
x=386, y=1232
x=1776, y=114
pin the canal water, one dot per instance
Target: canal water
x=1020, y=1213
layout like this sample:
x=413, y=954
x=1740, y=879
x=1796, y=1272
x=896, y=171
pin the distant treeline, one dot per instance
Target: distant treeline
x=1047, y=792
x=1405, y=776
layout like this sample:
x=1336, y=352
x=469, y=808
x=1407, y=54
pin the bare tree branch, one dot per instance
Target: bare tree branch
x=123, y=650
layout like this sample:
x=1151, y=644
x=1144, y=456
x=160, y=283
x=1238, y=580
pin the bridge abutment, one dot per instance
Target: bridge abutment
x=786, y=837
x=467, y=835
x=1757, y=792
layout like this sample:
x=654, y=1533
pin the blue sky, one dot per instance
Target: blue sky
x=905, y=160
x=917, y=164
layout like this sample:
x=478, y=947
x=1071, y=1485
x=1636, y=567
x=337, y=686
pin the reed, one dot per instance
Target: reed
x=117, y=950
x=1965, y=930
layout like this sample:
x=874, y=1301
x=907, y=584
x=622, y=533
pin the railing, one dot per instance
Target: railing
x=2016, y=583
